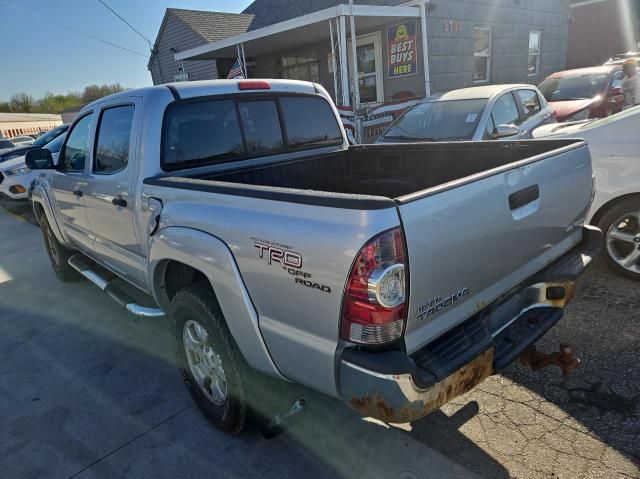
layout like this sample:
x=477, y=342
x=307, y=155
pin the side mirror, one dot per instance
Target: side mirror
x=39, y=159
x=503, y=131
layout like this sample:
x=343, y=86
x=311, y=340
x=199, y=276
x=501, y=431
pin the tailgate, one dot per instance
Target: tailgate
x=471, y=241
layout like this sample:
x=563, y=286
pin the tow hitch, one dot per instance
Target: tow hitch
x=565, y=359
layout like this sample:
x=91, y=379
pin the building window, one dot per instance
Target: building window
x=300, y=66
x=534, y=53
x=481, y=54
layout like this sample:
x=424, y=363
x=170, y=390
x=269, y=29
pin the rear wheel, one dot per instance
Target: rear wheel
x=58, y=254
x=621, y=226
x=208, y=359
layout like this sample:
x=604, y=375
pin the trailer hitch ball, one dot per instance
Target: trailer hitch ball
x=565, y=359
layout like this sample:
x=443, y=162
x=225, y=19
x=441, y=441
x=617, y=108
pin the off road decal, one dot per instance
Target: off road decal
x=291, y=261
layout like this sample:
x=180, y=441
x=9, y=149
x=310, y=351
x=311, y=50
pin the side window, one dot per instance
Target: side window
x=530, y=102
x=112, y=140
x=505, y=111
x=489, y=129
x=261, y=127
x=296, y=112
x=201, y=132
x=617, y=79
x=77, y=146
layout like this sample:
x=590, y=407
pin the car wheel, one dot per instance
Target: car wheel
x=209, y=361
x=58, y=254
x=621, y=226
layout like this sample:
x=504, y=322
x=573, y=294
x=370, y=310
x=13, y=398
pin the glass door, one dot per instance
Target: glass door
x=369, y=54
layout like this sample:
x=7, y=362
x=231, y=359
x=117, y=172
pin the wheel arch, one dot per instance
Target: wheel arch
x=180, y=256
x=597, y=216
x=42, y=206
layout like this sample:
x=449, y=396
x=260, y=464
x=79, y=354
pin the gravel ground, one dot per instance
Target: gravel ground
x=518, y=424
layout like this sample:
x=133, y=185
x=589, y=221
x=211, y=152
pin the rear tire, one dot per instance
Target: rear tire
x=58, y=254
x=210, y=363
x=621, y=227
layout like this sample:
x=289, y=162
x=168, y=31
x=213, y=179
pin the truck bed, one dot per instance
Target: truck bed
x=391, y=171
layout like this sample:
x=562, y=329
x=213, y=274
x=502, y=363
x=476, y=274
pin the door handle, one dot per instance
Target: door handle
x=117, y=201
x=77, y=193
x=524, y=197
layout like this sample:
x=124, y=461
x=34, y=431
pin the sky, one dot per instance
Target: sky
x=37, y=56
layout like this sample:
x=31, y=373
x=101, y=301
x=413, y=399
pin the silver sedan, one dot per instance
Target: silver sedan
x=472, y=114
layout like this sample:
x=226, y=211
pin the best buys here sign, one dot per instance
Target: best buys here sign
x=402, y=52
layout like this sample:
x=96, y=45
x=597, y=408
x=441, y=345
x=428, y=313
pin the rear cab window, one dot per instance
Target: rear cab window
x=210, y=131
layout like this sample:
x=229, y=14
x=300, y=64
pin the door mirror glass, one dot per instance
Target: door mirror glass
x=504, y=131
x=39, y=159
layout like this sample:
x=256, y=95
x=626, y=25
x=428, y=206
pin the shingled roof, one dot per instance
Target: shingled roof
x=268, y=12
x=214, y=26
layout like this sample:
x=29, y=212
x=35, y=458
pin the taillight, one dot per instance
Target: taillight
x=374, y=307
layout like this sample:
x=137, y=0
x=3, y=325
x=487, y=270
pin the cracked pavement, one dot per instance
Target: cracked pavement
x=85, y=393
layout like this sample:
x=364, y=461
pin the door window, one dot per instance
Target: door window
x=505, y=111
x=530, y=102
x=77, y=145
x=112, y=142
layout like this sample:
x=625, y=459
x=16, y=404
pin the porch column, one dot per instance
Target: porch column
x=344, y=70
x=354, y=62
x=334, y=62
x=425, y=49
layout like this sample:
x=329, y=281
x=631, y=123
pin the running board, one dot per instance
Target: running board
x=83, y=265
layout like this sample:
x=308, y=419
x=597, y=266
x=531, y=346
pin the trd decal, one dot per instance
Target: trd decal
x=283, y=255
x=287, y=259
x=435, y=305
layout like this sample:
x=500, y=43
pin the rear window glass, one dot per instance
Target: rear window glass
x=298, y=112
x=202, y=132
x=213, y=131
x=261, y=126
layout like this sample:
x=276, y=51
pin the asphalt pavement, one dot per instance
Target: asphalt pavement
x=85, y=392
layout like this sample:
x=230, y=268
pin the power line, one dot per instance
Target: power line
x=65, y=27
x=127, y=23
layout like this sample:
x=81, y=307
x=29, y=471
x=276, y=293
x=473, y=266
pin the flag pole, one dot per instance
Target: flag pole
x=244, y=61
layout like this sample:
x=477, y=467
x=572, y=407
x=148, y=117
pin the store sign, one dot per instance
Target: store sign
x=402, y=51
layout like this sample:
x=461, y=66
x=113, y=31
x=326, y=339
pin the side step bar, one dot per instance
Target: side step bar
x=82, y=265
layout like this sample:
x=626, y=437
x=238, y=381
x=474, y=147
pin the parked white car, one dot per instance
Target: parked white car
x=6, y=145
x=16, y=177
x=615, y=151
x=24, y=140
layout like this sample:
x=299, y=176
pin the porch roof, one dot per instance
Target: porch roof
x=307, y=29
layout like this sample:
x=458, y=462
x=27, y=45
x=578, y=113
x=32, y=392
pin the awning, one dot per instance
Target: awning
x=307, y=29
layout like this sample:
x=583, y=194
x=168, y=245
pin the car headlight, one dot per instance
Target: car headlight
x=581, y=115
x=21, y=170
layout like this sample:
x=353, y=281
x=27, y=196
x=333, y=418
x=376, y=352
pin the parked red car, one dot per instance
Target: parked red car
x=594, y=92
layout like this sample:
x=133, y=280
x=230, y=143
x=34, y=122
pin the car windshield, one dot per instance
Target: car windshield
x=50, y=135
x=438, y=121
x=577, y=87
x=55, y=145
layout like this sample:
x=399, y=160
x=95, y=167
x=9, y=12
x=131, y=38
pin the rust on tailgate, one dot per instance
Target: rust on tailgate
x=423, y=402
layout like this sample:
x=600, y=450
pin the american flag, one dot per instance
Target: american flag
x=236, y=71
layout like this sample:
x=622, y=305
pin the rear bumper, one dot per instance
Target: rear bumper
x=395, y=387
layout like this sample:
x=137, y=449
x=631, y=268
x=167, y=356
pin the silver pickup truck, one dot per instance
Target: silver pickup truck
x=394, y=277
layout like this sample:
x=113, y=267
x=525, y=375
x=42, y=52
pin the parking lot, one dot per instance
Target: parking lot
x=85, y=392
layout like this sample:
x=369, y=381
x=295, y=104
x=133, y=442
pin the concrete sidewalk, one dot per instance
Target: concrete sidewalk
x=86, y=393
